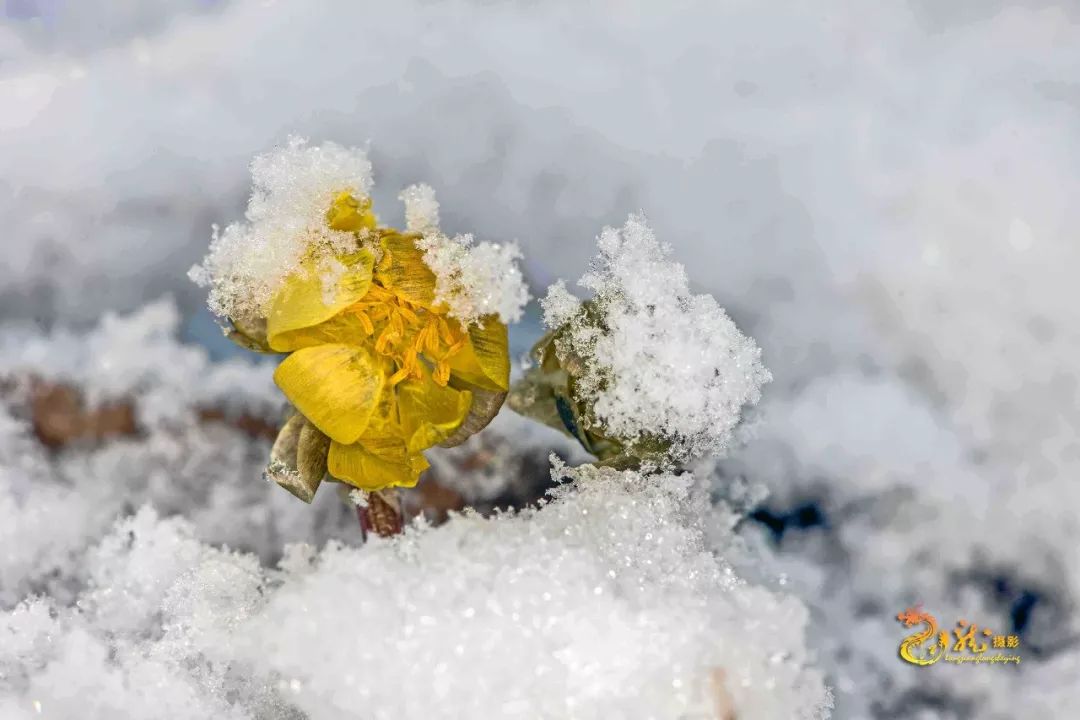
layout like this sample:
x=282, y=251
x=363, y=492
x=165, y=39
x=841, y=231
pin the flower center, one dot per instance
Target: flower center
x=409, y=334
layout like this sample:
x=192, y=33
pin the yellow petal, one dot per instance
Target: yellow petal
x=403, y=270
x=349, y=214
x=430, y=412
x=303, y=303
x=484, y=361
x=345, y=328
x=335, y=386
x=375, y=464
x=384, y=418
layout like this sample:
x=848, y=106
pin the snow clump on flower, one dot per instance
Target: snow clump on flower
x=650, y=358
x=473, y=279
x=294, y=186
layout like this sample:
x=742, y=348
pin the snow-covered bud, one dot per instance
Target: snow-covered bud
x=645, y=371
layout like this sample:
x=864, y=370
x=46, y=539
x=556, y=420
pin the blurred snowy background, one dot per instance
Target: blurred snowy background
x=882, y=194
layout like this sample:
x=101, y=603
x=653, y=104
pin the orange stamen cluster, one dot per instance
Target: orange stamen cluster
x=410, y=334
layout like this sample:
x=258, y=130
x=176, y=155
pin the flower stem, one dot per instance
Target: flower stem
x=382, y=515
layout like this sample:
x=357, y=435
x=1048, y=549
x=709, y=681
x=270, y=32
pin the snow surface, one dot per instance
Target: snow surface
x=467, y=620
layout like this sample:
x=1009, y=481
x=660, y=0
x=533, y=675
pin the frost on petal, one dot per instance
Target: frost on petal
x=293, y=186
x=560, y=306
x=421, y=208
x=472, y=279
x=650, y=358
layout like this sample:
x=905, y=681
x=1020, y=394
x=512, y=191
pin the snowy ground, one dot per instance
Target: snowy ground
x=882, y=195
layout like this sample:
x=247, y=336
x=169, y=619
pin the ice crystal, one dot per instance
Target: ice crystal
x=473, y=279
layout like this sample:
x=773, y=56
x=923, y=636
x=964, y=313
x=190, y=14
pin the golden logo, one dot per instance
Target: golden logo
x=966, y=644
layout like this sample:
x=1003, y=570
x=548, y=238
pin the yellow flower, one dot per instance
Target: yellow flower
x=375, y=363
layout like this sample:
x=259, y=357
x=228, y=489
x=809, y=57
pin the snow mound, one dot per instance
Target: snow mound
x=605, y=602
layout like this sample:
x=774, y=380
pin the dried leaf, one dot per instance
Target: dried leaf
x=311, y=455
x=485, y=406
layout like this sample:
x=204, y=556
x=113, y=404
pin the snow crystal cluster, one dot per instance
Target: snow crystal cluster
x=654, y=357
x=473, y=279
x=293, y=187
